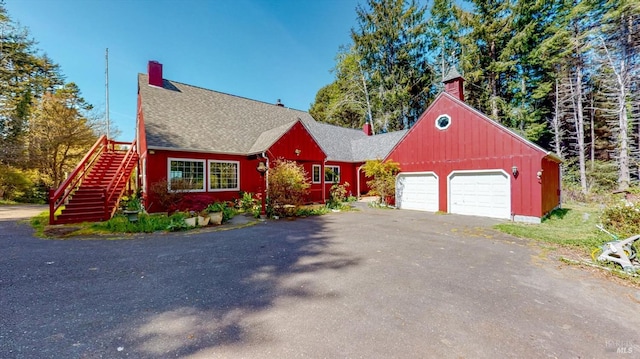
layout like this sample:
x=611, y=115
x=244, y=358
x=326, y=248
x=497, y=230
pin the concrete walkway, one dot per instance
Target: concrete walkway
x=21, y=211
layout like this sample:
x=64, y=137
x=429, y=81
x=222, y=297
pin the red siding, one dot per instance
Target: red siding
x=472, y=142
x=157, y=163
x=250, y=179
x=309, y=154
x=551, y=192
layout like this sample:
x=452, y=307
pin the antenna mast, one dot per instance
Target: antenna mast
x=106, y=84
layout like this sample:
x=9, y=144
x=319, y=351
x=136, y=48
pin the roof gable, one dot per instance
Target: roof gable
x=471, y=134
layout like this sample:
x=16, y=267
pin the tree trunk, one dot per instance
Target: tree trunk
x=578, y=118
x=623, y=142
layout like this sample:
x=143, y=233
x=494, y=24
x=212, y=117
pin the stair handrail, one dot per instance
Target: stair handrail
x=57, y=197
x=117, y=179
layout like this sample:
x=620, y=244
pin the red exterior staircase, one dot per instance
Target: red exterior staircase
x=93, y=190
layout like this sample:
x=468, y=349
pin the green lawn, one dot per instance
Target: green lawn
x=573, y=226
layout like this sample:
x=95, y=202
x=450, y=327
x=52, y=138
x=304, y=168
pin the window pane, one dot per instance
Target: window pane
x=223, y=175
x=186, y=175
x=316, y=173
x=331, y=173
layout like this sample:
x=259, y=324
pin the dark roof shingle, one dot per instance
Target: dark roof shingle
x=190, y=118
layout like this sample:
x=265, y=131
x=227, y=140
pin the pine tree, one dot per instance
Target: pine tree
x=391, y=42
x=489, y=28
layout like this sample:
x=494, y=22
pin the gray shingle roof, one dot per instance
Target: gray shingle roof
x=452, y=74
x=184, y=117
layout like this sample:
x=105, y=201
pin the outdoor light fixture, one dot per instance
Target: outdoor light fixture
x=262, y=169
x=539, y=174
x=514, y=170
x=298, y=151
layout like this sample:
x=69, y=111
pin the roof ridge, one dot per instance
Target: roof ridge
x=227, y=94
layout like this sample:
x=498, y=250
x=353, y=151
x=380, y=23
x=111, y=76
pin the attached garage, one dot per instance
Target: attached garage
x=417, y=191
x=480, y=193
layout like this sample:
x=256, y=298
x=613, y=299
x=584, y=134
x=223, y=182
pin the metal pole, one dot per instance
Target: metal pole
x=106, y=82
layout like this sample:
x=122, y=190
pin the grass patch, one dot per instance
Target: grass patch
x=7, y=202
x=39, y=223
x=146, y=223
x=571, y=226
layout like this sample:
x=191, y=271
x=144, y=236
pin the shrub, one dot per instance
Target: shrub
x=337, y=195
x=384, y=178
x=13, y=183
x=168, y=200
x=247, y=202
x=288, y=187
x=622, y=219
x=146, y=223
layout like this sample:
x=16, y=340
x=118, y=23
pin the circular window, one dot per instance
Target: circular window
x=443, y=121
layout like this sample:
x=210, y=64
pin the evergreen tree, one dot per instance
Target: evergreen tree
x=391, y=42
x=489, y=28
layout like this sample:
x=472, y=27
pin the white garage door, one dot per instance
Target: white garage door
x=486, y=194
x=418, y=191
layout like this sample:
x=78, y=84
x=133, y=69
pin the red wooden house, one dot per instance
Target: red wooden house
x=457, y=160
x=454, y=159
x=215, y=141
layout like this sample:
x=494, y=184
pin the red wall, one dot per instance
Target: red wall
x=551, y=190
x=157, y=163
x=472, y=142
x=297, y=138
x=310, y=153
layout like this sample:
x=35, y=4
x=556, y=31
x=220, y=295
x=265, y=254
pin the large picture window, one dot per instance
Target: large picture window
x=186, y=175
x=223, y=175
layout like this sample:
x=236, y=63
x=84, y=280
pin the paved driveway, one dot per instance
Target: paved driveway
x=369, y=284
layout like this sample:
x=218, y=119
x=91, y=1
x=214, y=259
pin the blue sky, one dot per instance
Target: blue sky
x=259, y=49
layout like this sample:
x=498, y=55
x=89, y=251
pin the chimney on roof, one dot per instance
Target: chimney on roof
x=279, y=103
x=453, y=84
x=155, y=73
x=366, y=128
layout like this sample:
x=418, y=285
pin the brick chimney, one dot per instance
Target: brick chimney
x=366, y=128
x=155, y=73
x=453, y=84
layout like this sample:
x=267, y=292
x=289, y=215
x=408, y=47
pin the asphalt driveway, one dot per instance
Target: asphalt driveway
x=368, y=284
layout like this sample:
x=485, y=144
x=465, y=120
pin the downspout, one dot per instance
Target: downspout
x=358, y=181
x=324, y=198
x=266, y=178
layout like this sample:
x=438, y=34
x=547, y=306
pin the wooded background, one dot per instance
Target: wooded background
x=563, y=73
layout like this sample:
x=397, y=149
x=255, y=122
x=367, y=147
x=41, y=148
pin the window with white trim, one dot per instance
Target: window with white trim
x=224, y=175
x=186, y=175
x=315, y=178
x=332, y=174
x=443, y=122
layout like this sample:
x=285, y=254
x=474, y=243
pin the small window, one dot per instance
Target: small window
x=332, y=174
x=443, y=121
x=223, y=175
x=186, y=175
x=316, y=174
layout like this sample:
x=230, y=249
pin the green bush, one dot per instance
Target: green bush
x=288, y=187
x=311, y=211
x=147, y=223
x=384, y=178
x=247, y=202
x=337, y=195
x=622, y=219
x=13, y=183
